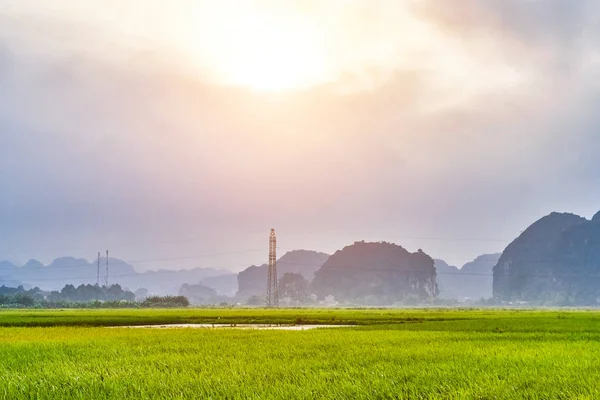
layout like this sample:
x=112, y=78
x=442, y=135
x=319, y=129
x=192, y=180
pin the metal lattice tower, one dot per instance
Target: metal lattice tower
x=98, y=276
x=106, y=280
x=272, y=282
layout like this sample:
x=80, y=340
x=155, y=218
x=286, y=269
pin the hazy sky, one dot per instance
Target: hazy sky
x=180, y=129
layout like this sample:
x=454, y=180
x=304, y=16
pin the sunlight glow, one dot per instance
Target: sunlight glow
x=345, y=46
x=261, y=51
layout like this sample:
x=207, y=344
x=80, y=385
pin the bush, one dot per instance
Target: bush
x=24, y=300
x=166, y=302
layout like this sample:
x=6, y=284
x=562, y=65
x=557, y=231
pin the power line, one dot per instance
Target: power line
x=290, y=249
x=195, y=256
x=347, y=268
x=527, y=261
x=352, y=268
x=415, y=271
x=131, y=244
x=152, y=260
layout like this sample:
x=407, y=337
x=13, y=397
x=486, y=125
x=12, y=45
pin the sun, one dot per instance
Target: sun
x=272, y=60
x=261, y=51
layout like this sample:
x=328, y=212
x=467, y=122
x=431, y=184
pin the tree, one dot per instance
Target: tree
x=199, y=294
x=293, y=286
x=24, y=300
x=69, y=292
x=256, y=301
x=141, y=294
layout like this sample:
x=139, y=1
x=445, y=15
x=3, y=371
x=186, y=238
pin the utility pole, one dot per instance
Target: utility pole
x=98, y=274
x=272, y=282
x=106, y=269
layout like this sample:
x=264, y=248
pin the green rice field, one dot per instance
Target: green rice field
x=386, y=354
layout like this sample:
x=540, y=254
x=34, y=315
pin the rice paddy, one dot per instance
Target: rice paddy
x=412, y=354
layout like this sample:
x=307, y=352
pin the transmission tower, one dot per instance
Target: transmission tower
x=106, y=280
x=98, y=275
x=272, y=283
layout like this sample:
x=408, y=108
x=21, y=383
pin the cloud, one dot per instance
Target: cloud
x=550, y=33
x=96, y=148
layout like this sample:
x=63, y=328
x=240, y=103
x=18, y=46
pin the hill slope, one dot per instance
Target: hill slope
x=554, y=261
x=448, y=280
x=253, y=280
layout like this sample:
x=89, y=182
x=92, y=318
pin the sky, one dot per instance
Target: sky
x=177, y=134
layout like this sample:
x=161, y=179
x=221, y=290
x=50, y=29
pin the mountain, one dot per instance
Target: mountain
x=9, y=282
x=199, y=294
x=7, y=266
x=33, y=264
x=166, y=282
x=225, y=285
x=376, y=274
x=253, y=280
x=556, y=261
x=303, y=262
x=448, y=280
x=76, y=271
x=473, y=281
x=6, y=277
x=60, y=272
x=478, y=277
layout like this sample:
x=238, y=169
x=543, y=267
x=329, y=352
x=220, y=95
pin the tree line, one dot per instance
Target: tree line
x=83, y=296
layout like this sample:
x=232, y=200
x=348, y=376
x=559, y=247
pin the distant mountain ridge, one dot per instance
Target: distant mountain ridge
x=76, y=271
x=473, y=281
x=33, y=264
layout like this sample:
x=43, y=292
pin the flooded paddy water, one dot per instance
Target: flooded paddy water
x=235, y=326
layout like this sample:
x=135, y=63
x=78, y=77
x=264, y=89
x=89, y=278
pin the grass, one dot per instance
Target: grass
x=413, y=354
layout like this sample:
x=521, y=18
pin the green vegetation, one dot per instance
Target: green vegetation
x=83, y=296
x=457, y=354
x=166, y=302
